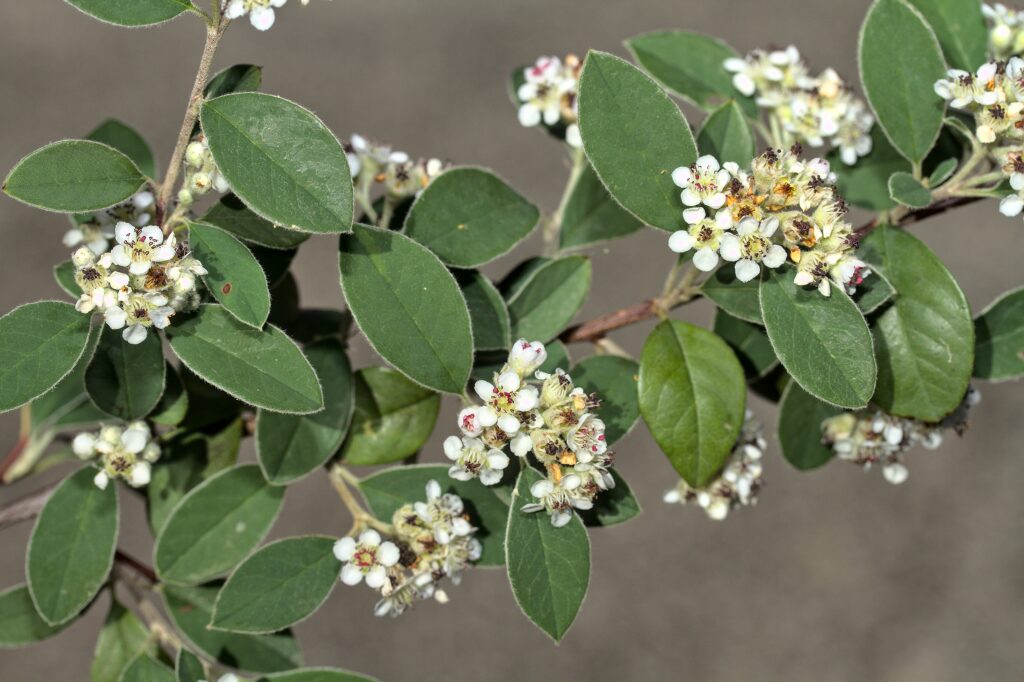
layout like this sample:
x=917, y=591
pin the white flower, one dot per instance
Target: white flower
x=368, y=559
x=137, y=249
x=504, y=400
x=703, y=182
x=261, y=12
x=101, y=480
x=525, y=356
x=473, y=420
x=751, y=246
x=587, y=438
x=704, y=235
x=541, y=93
x=849, y=273
x=84, y=445
x=474, y=460
x=1011, y=205
x=557, y=499
x=443, y=514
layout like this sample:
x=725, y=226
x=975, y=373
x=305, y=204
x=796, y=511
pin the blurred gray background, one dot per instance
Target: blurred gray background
x=835, y=575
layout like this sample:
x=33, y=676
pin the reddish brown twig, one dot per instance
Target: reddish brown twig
x=123, y=558
x=25, y=508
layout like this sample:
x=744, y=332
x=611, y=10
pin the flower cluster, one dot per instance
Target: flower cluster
x=120, y=452
x=738, y=483
x=1006, y=30
x=782, y=207
x=261, y=12
x=201, y=173
x=138, y=284
x=548, y=416
x=871, y=436
x=801, y=108
x=401, y=176
x=96, y=230
x=994, y=95
x=428, y=542
x=548, y=95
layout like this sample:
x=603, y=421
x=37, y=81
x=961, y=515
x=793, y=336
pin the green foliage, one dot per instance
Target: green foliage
x=999, y=329
x=122, y=638
x=615, y=380
x=234, y=276
x=823, y=342
x=591, y=215
x=277, y=586
x=20, y=624
x=866, y=184
x=317, y=675
x=132, y=12
x=549, y=297
x=692, y=398
x=237, y=78
x=128, y=141
x=726, y=135
x=900, y=60
x=393, y=418
x=750, y=343
x=216, y=525
x=873, y=292
x=612, y=507
x=172, y=407
x=231, y=214
x=924, y=340
x=74, y=176
x=487, y=311
x=905, y=189
x=960, y=28
x=188, y=668
x=126, y=380
x=548, y=567
x=408, y=306
x=469, y=216
x=800, y=418
x=260, y=141
x=739, y=299
x=634, y=136
x=146, y=669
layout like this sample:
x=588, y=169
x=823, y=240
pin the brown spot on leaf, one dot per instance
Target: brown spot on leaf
x=226, y=289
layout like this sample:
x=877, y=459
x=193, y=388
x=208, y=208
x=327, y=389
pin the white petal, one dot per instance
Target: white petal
x=140, y=475
x=747, y=270
x=235, y=9
x=376, y=576
x=509, y=381
x=84, y=445
x=521, y=444
x=388, y=554
x=715, y=201
x=526, y=400
x=152, y=234
x=560, y=518
x=120, y=255
x=370, y=538
x=529, y=115
x=747, y=226
x=138, y=267
x=689, y=197
x=134, y=439
x=508, y=424
x=124, y=232
x=705, y=259
x=486, y=416
x=135, y=334
x=484, y=389
x=101, y=480
x=680, y=241
x=694, y=215
x=452, y=447
x=542, y=488
x=496, y=459
x=351, y=575
x=776, y=256
x=163, y=253
x=723, y=219
x=115, y=317
x=682, y=176
x=1011, y=205
x=708, y=163
x=117, y=280
x=261, y=18
x=769, y=226
x=729, y=247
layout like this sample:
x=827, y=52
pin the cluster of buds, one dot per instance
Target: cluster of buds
x=1006, y=30
x=739, y=482
x=261, y=12
x=401, y=176
x=96, y=230
x=548, y=96
x=120, y=452
x=994, y=95
x=546, y=416
x=805, y=109
x=782, y=208
x=138, y=284
x=429, y=541
x=871, y=436
x=201, y=173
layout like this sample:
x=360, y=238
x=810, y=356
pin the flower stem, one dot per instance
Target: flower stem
x=341, y=479
x=553, y=226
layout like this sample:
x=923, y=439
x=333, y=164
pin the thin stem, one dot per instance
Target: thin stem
x=139, y=587
x=26, y=508
x=341, y=479
x=195, y=101
x=554, y=224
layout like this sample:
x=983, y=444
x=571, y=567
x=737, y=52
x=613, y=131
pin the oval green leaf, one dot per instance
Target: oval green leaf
x=612, y=507
x=800, y=418
x=317, y=675
x=408, y=306
x=750, y=343
x=905, y=189
x=216, y=525
x=236, y=78
x=692, y=398
x=280, y=585
x=188, y=667
x=132, y=12
x=469, y=216
x=146, y=669
x=549, y=298
x=634, y=136
x=261, y=141
x=960, y=28
x=74, y=176
x=122, y=638
x=20, y=624
x=823, y=342
x=615, y=380
x=126, y=380
x=726, y=135
x=289, y=446
x=592, y=216
x=128, y=141
x=999, y=329
x=72, y=547
x=260, y=367
x=739, y=299
x=232, y=215
x=487, y=311
x=234, y=276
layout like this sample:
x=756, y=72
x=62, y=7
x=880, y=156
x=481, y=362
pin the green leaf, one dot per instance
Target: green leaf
x=692, y=398
x=905, y=189
x=64, y=273
x=232, y=215
x=690, y=65
x=549, y=298
x=800, y=418
x=726, y=135
x=866, y=184
x=634, y=136
x=261, y=141
x=873, y=292
x=128, y=141
x=487, y=311
x=72, y=547
x=614, y=379
x=122, y=638
x=188, y=667
x=132, y=12
x=924, y=340
x=317, y=675
x=40, y=343
x=216, y=525
x=261, y=367
x=942, y=172
x=900, y=60
x=237, y=78
x=234, y=276
x=408, y=306
x=387, y=490
x=126, y=380
x=74, y=176
x=960, y=28
x=469, y=216
x=275, y=262
x=146, y=669
x=999, y=353
x=172, y=407
x=750, y=343
x=591, y=215
x=393, y=417
x=67, y=404
x=822, y=341
x=739, y=299
x=19, y=622
x=548, y=567
x=281, y=584
x=291, y=446
x=191, y=608
x=612, y=507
